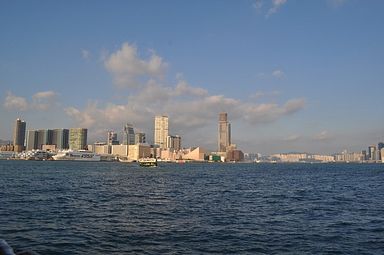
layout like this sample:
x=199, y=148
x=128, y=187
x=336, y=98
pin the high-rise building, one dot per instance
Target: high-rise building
x=78, y=138
x=161, y=131
x=129, y=135
x=44, y=137
x=224, y=132
x=19, y=135
x=60, y=138
x=139, y=138
x=382, y=155
x=31, y=140
x=112, y=138
x=372, y=152
x=364, y=155
x=379, y=147
x=174, y=142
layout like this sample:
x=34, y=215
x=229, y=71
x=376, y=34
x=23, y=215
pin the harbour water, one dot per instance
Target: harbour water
x=115, y=208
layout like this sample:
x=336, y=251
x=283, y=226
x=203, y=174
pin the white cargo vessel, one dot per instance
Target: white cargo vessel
x=81, y=155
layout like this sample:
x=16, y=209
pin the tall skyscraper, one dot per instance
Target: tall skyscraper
x=44, y=137
x=112, y=138
x=372, y=152
x=19, y=135
x=31, y=140
x=60, y=138
x=224, y=132
x=129, y=135
x=161, y=131
x=139, y=138
x=379, y=147
x=78, y=138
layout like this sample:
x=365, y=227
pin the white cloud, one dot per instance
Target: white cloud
x=269, y=112
x=44, y=95
x=292, y=138
x=258, y=4
x=128, y=70
x=189, y=107
x=323, y=135
x=278, y=74
x=15, y=102
x=43, y=100
x=85, y=54
x=276, y=5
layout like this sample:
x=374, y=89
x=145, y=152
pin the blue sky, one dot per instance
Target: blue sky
x=292, y=75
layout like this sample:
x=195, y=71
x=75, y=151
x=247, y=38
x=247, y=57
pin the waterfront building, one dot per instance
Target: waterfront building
x=346, y=156
x=120, y=150
x=19, y=135
x=60, y=138
x=139, y=137
x=235, y=155
x=44, y=137
x=382, y=155
x=323, y=158
x=112, y=138
x=224, y=132
x=379, y=147
x=195, y=154
x=129, y=135
x=161, y=131
x=174, y=142
x=372, y=152
x=100, y=148
x=364, y=153
x=31, y=140
x=78, y=138
x=138, y=151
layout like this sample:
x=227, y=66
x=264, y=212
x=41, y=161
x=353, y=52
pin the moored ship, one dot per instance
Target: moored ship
x=81, y=155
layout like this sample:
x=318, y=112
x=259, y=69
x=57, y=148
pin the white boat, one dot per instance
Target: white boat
x=125, y=160
x=81, y=155
x=148, y=162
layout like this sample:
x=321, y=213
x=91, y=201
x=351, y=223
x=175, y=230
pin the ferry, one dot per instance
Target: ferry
x=81, y=155
x=148, y=162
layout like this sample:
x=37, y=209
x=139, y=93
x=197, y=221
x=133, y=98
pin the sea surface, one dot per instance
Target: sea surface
x=116, y=208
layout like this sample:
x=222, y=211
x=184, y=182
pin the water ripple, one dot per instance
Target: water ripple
x=99, y=208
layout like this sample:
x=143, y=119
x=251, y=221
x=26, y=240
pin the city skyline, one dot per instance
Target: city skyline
x=292, y=75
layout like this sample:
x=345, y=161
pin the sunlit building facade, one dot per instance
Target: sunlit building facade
x=78, y=138
x=161, y=131
x=224, y=132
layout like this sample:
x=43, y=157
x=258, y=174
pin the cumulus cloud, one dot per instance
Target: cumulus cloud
x=85, y=54
x=189, y=107
x=15, y=102
x=44, y=95
x=42, y=100
x=276, y=5
x=269, y=112
x=128, y=69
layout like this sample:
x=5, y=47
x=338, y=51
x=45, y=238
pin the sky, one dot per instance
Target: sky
x=293, y=75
